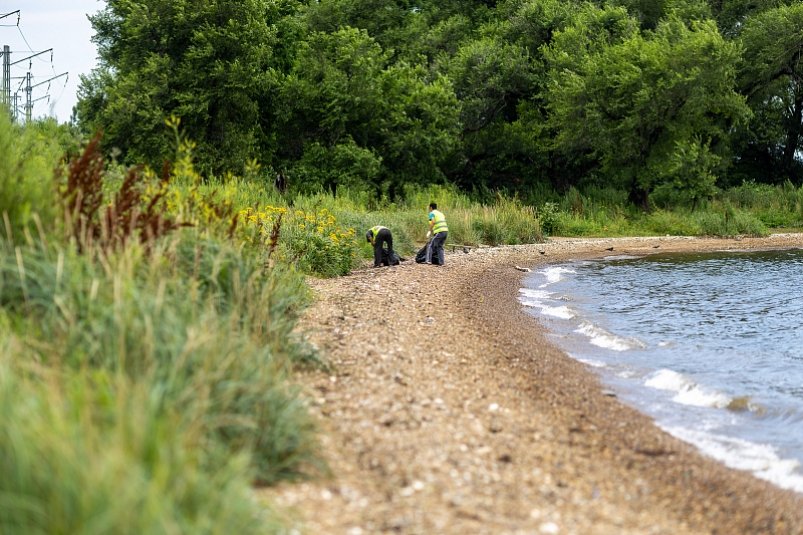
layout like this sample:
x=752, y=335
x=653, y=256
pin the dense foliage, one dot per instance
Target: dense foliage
x=522, y=95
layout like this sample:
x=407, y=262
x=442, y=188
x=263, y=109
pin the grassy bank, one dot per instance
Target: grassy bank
x=146, y=356
x=159, y=380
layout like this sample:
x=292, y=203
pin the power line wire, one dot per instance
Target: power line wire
x=29, y=77
x=30, y=49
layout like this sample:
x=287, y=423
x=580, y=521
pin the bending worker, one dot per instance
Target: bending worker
x=377, y=236
x=439, y=231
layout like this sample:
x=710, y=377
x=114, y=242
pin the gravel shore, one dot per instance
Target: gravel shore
x=446, y=410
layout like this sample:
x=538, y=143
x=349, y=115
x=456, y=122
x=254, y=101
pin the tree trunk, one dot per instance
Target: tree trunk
x=793, y=133
x=639, y=196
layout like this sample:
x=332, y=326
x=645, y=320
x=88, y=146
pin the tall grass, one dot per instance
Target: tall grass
x=166, y=370
x=91, y=452
x=594, y=212
x=200, y=322
x=774, y=206
x=602, y=212
x=506, y=221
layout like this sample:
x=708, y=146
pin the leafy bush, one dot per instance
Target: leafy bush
x=548, y=218
x=730, y=222
x=343, y=165
x=671, y=223
x=313, y=241
x=26, y=171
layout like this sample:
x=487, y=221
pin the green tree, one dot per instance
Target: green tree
x=533, y=23
x=771, y=76
x=498, y=73
x=644, y=106
x=649, y=13
x=527, y=138
x=410, y=30
x=383, y=20
x=490, y=76
x=690, y=171
x=732, y=14
x=211, y=63
x=343, y=97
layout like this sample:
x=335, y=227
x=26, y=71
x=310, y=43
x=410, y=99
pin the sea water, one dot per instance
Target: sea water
x=709, y=345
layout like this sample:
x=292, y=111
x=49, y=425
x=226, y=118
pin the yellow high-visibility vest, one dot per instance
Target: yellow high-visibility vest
x=440, y=222
x=375, y=230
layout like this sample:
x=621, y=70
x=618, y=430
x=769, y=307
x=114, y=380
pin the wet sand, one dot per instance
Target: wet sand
x=446, y=410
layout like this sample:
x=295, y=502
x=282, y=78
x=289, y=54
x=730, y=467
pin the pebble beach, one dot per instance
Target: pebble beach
x=445, y=409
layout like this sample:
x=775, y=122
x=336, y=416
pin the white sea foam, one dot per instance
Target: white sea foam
x=760, y=459
x=687, y=392
x=554, y=274
x=535, y=294
x=536, y=299
x=592, y=362
x=602, y=338
x=562, y=312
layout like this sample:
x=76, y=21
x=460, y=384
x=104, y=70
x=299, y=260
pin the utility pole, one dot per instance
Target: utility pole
x=29, y=93
x=28, y=86
x=27, y=80
x=6, y=97
x=33, y=56
x=5, y=90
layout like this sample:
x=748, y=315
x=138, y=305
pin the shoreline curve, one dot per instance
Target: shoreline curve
x=447, y=410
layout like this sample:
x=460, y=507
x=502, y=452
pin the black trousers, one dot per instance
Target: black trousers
x=436, y=248
x=382, y=237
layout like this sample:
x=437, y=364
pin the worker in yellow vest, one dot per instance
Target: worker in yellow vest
x=438, y=230
x=378, y=236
